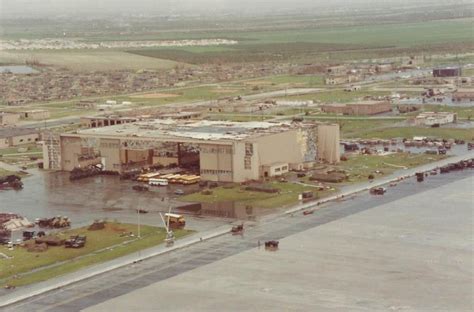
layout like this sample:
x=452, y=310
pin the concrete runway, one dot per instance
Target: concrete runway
x=408, y=250
x=411, y=254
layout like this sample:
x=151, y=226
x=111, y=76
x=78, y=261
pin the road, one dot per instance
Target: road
x=127, y=279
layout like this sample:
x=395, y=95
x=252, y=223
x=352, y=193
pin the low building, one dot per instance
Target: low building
x=86, y=104
x=435, y=118
x=9, y=119
x=447, y=72
x=221, y=150
x=384, y=67
x=463, y=95
x=10, y=137
x=337, y=70
x=274, y=170
x=358, y=108
x=181, y=115
x=104, y=121
x=352, y=88
x=36, y=114
x=335, y=80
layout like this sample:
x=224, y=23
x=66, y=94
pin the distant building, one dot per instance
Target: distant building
x=447, y=72
x=338, y=70
x=463, y=95
x=10, y=137
x=334, y=80
x=433, y=118
x=384, y=68
x=358, y=108
x=353, y=88
x=9, y=119
x=181, y=115
x=104, y=121
x=85, y=104
x=36, y=114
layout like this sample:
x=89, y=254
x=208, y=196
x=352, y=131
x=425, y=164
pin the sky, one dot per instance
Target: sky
x=186, y=7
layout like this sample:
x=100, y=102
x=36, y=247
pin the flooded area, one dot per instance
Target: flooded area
x=48, y=194
x=438, y=100
x=17, y=69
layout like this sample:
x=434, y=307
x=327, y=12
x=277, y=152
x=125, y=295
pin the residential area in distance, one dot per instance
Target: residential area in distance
x=224, y=155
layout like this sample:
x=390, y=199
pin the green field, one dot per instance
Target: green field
x=87, y=60
x=287, y=196
x=323, y=44
x=409, y=132
x=359, y=167
x=102, y=245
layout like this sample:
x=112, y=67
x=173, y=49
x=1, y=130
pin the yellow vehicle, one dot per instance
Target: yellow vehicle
x=147, y=176
x=175, y=178
x=175, y=220
x=191, y=179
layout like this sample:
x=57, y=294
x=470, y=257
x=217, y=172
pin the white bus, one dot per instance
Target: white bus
x=158, y=182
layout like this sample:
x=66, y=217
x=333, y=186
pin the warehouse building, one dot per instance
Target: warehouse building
x=435, y=118
x=447, y=72
x=10, y=137
x=358, y=108
x=219, y=150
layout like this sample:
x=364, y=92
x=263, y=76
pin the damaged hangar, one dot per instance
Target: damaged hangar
x=220, y=150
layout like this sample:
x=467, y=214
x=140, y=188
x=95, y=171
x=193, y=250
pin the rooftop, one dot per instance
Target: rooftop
x=198, y=130
x=10, y=132
x=358, y=103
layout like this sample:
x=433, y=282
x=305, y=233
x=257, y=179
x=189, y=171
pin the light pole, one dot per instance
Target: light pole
x=138, y=217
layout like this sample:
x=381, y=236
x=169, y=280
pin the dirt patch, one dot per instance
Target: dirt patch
x=224, y=90
x=115, y=228
x=258, y=82
x=155, y=95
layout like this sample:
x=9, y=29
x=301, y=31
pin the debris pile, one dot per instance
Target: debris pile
x=50, y=240
x=76, y=241
x=97, y=225
x=81, y=173
x=54, y=223
x=32, y=246
x=11, y=181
